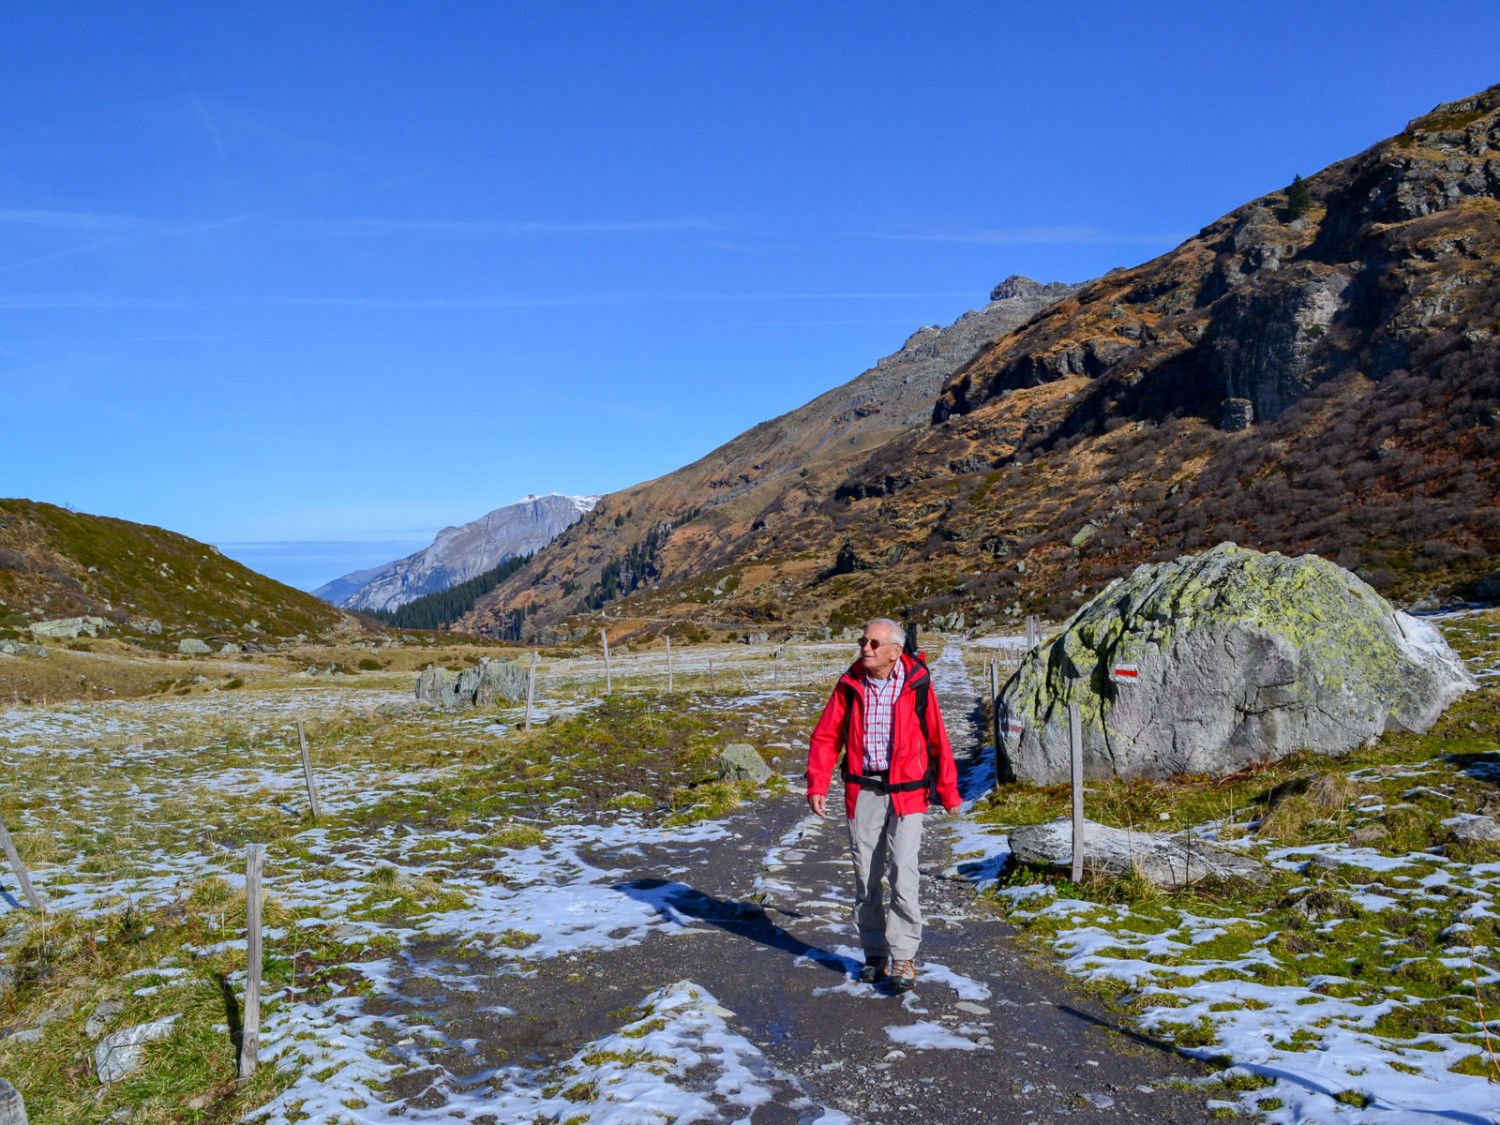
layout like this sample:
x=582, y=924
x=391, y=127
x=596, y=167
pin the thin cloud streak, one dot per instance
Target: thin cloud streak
x=72, y=220
x=208, y=124
x=1027, y=236
x=512, y=227
x=85, y=301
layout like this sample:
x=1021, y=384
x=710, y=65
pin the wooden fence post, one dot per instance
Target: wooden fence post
x=669, y=665
x=713, y=684
x=22, y=875
x=312, y=787
x=1075, y=748
x=255, y=862
x=530, y=688
x=609, y=683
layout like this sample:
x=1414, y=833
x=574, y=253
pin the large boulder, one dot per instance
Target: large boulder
x=484, y=686
x=1212, y=662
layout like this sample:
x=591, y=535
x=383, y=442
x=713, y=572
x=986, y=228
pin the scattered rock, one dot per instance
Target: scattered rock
x=68, y=628
x=192, y=646
x=1476, y=829
x=229, y=648
x=1211, y=662
x=124, y=1052
x=1166, y=860
x=12, y=1108
x=148, y=625
x=20, y=648
x=103, y=1014
x=742, y=762
x=755, y=638
x=15, y=935
x=1083, y=535
x=1369, y=834
x=1236, y=414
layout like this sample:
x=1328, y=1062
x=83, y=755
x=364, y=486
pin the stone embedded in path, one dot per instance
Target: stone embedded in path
x=192, y=646
x=1166, y=860
x=1212, y=662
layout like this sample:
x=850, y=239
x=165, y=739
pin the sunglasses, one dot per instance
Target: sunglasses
x=872, y=642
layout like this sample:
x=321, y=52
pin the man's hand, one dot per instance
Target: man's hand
x=818, y=802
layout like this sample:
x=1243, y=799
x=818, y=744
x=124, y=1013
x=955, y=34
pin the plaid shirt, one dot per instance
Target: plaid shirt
x=880, y=706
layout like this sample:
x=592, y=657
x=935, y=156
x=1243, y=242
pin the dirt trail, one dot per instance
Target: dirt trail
x=760, y=918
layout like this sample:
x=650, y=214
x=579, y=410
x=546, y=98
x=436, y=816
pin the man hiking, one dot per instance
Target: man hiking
x=885, y=718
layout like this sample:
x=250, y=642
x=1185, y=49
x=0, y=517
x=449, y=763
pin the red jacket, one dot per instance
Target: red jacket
x=845, y=716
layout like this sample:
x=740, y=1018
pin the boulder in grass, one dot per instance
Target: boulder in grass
x=12, y=1107
x=1213, y=662
x=1166, y=860
x=491, y=682
x=124, y=1052
x=742, y=762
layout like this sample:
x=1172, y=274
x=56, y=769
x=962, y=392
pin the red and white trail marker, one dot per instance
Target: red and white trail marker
x=1125, y=674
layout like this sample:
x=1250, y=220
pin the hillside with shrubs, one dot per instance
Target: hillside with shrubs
x=1317, y=371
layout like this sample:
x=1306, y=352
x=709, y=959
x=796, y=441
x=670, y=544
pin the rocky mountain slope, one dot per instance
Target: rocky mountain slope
x=712, y=508
x=1302, y=375
x=140, y=582
x=460, y=553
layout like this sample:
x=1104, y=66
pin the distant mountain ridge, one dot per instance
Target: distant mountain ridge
x=459, y=553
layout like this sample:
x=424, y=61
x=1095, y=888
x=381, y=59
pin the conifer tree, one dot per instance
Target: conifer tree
x=1298, y=199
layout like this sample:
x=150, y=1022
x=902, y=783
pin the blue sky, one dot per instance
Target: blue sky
x=311, y=281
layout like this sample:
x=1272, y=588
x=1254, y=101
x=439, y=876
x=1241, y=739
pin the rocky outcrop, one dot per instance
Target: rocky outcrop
x=1163, y=859
x=1263, y=306
x=460, y=553
x=68, y=628
x=1212, y=662
x=484, y=686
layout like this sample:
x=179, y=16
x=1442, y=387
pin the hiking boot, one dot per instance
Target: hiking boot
x=874, y=970
x=903, y=976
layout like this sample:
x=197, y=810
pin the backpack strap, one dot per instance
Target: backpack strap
x=875, y=784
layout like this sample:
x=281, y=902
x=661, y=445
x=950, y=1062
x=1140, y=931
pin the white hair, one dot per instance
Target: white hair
x=898, y=634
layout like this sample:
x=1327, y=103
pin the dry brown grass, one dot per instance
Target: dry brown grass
x=1294, y=807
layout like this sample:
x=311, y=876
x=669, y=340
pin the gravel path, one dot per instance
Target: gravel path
x=760, y=919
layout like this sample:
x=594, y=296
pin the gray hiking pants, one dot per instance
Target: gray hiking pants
x=883, y=844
